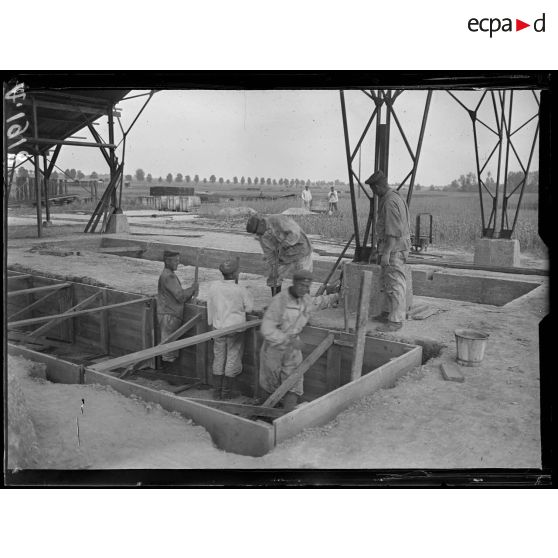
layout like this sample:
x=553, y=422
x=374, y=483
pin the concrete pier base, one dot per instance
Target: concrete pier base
x=503, y=252
x=351, y=276
x=118, y=223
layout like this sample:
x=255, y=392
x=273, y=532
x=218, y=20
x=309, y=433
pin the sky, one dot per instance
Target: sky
x=298, y=134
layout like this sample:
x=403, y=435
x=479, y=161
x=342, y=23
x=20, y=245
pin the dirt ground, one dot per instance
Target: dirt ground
x=489, y=420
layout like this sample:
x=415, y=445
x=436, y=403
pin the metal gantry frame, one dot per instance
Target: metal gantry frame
x=38, y=147
x=384, y=101
x=501, y=103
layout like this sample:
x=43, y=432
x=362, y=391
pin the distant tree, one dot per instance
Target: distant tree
x=249, y=180
x=418, y=187
x=128, y=177
x=262, y=180
x=80, y=175
x=160, y=179
x=292, y=182
x=140, y=175
x=308, y=182
x=275, y=182
x=242, y=180
x=169, y=178
x=179, y=177
x=196, y=179
x=22, y=172
x=228, y=181
x=93, y=175
x=432, y=188
x=205, y=180
x=54, y=175
x=149, y=178
x=256, y=180
x=280, y=182
x=188, y=179
x=212, y=179
x=73, y=173
x=268, y=181
x=221, y=180
x=296, y=182
x=235, y=180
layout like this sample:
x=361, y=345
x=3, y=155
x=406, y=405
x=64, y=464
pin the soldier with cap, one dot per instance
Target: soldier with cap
x=285, y=246
x=283, y=320
x=227, y=304
x=394, y=243
x=170, y=300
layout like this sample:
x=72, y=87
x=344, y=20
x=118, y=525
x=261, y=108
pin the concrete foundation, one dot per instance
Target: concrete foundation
x=351, y=276
x=118, y=223
x=502, y=252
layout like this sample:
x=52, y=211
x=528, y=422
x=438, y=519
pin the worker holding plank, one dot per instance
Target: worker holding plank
x=394, y=243
x=285, y=246
x=283, y=320
x=227, y=304
x=170, y=300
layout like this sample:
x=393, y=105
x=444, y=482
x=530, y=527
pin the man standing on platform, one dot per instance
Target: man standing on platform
x=282, y=324
x=227, y=304
x=170, y=300
x=306, y=198
x=394, y=243
x=285, y=246
x=333, y=200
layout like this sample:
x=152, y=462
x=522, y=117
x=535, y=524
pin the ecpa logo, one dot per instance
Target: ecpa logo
x=492, y=25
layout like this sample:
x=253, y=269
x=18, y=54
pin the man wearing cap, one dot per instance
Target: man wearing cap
x=170, y=300
x=227, y=304
x=285, y=246
x=394, y=242
x=283, y=320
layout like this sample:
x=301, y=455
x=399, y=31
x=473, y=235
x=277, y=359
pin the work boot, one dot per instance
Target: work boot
x=289, y=401
x=381, y=317
x=390, y=326
x=228, y=391
x=217, y=387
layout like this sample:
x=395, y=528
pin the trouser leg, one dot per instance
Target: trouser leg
x=168, y=324
x=396, y=287
x=235, y=352
x=219, y=355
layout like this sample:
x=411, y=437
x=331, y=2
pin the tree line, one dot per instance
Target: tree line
x=469, y=182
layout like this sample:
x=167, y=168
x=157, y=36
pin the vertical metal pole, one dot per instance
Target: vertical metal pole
x=508, y=136
x=473, y=116
x=385, y=154
x=45, y=178
x=499, y=119
x=111, y=153
x=36, y=161
x=419, y=147
x=351, y=182
x=122, y=175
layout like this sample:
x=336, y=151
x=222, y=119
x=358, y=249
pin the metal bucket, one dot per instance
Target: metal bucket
x=470, y=346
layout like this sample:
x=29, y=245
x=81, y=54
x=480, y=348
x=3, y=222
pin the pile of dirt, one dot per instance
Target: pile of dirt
x=237, y=211
x=296, y=211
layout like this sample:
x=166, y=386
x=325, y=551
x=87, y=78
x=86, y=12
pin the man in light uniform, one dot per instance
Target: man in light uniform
x=394, y=243
x=283, y=321
x=227, y=304
x=170, y=300
x=306, y=198
x=285, y=246
x=333, y=199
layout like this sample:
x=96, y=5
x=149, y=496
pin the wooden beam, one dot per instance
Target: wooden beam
x=32, y=321
x=70, y=313
x=173, y=336
x=302, y=368
x=32, y=305
x=240, y=408
x=138, y=356
x=35, y=290
x=104, y=333
x=361, y=323
x=23, y=276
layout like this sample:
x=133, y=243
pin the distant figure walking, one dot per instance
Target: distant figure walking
x=306, y=198
x=333, y=199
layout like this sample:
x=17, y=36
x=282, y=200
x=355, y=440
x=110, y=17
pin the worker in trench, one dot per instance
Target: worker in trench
x=394, y=243
x=170, y=300
x=286, y=248
x=227, y=304
x=283, y=321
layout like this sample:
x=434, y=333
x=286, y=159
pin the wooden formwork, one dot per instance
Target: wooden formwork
x=234, y=427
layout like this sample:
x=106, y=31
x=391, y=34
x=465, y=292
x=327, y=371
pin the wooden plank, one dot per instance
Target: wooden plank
x=61, y=317
x=126, y=360
x=278, y=394
x=12, y=278
x=57, y=370
x=333, y=368
x=36, y=290
x=173, y=379
x=361, y=323
x=241, y=408
x=322, y=410
x=451, y=372
x=77, y=313
x=229, y=432
x=202, y=357
x=31, y=306
x=104, y=331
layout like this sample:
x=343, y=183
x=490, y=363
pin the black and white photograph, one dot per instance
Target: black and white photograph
x=275, y=271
